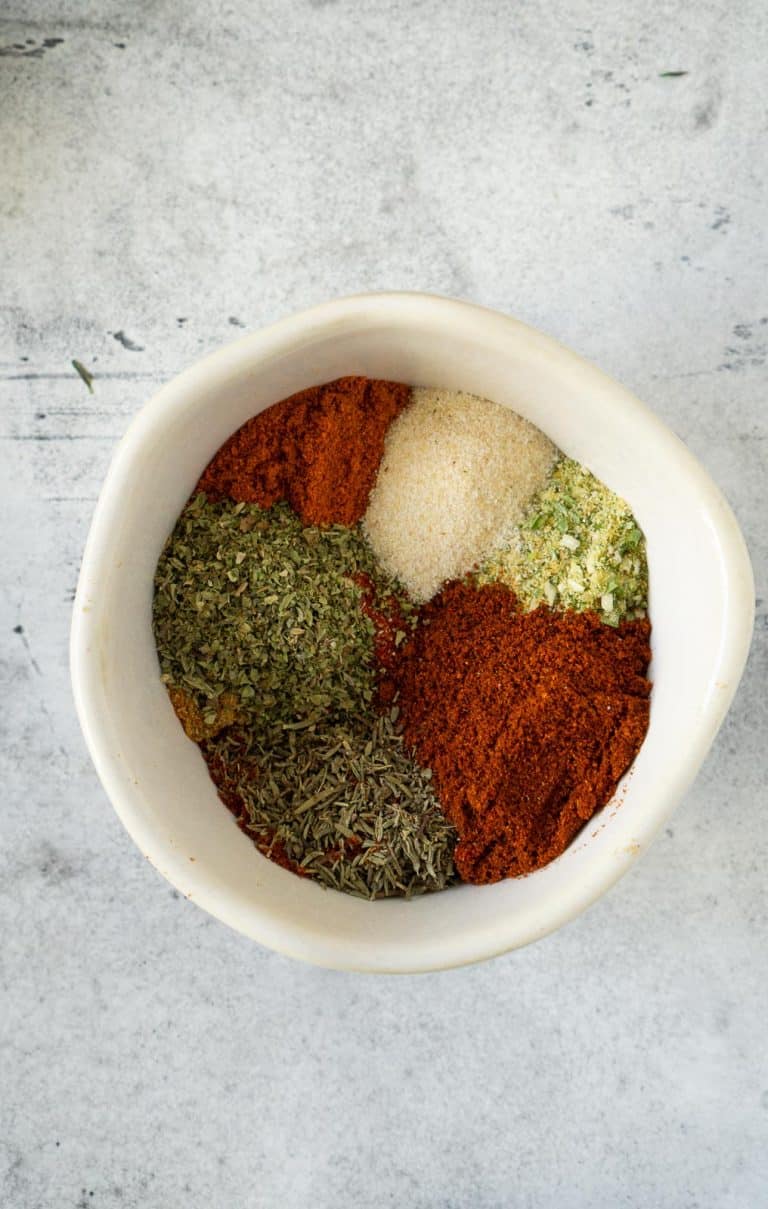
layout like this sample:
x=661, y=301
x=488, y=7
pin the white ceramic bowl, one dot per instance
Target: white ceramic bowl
x=701, y=608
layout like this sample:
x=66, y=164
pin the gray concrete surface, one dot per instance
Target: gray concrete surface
x=170, y=173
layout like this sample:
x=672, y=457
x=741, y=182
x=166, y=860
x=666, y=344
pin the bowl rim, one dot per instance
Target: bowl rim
x=249, y=350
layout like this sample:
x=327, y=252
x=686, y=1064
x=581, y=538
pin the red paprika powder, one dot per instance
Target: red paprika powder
x=319, y=450
x=527, y=720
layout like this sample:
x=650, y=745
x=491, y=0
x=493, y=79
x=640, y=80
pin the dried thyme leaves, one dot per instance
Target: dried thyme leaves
x=269, y=660
x=250, y=601
x=349, y=809
x=578, y=547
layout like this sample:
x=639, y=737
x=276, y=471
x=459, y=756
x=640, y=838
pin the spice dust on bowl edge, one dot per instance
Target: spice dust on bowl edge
x=156, y=777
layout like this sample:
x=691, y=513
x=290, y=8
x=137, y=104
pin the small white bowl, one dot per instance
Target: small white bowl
x=701, y=609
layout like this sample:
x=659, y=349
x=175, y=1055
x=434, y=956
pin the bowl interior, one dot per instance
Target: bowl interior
x=701, y=606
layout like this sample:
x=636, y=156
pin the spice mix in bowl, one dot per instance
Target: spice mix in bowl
x=404, y=634
x=409, y=636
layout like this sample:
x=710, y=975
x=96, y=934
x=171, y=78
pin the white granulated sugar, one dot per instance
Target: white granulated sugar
x=456, y=475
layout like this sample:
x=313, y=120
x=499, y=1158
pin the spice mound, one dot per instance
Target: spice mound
x=455, y=476
x=266, y=643
x=346, y=807
x=408, y=635
x=578, y=547
x=527, y=720
x=319, y=451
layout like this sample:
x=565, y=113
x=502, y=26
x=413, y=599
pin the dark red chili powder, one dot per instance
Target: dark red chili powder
x=319, y=450
x=527, y=720
x=387, y=617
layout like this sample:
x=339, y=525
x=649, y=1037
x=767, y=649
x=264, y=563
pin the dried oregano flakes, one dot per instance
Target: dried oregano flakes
x=251, y=602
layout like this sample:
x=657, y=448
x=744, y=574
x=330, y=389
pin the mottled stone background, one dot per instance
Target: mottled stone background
x=169, y=174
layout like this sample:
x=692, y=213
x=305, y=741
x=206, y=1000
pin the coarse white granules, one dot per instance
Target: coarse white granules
x=456, y=474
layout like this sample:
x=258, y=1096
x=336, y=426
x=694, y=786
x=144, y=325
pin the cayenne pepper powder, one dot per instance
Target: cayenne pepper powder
x=319, y=450
x=527, y=720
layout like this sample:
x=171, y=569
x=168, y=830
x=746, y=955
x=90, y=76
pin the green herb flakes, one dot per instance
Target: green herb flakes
x=269, y=659
x=344, y=805
x=250, y=602
x=84, y=373
x=578, y=547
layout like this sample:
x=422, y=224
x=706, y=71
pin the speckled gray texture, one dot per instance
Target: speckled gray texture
x=173, y=172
